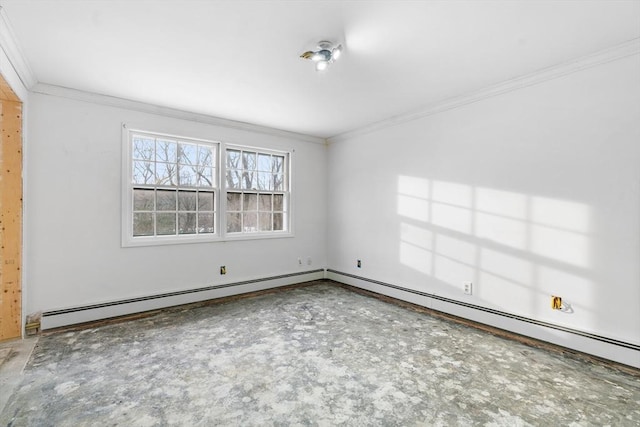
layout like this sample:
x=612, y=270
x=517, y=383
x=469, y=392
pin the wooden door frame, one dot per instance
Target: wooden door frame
x=10, y=213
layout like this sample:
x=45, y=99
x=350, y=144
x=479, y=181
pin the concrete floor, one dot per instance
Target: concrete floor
x=315, y=355
x=14, y=355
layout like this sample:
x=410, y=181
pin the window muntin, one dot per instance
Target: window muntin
x=257, y=191
x=174, y=188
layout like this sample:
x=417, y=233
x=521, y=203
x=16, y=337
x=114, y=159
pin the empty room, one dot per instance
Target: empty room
x=318, y=213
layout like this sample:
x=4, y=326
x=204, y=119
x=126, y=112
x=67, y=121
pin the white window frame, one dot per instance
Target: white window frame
x=220, y=200
x=287, y=203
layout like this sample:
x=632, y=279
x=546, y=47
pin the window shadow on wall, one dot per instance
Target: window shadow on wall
x=517, y=249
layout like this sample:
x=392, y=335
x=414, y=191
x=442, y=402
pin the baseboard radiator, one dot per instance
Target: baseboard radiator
x=88, y=313
x=608, y=348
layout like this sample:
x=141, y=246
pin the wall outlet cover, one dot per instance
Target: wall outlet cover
x=467, y=288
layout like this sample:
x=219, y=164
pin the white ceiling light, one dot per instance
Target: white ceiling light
x=326, y=54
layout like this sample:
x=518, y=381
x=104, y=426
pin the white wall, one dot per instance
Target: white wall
x=72, y=227
x=528, y=194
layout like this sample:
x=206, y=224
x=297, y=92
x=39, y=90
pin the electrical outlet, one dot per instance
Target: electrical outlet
x=309, y=260
x=223, y=269
x=300, y=261
x=467, y=288
x=359, y=264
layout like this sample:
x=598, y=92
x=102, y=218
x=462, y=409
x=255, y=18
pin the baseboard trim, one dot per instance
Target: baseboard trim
x=597, y=345
x=80, y=314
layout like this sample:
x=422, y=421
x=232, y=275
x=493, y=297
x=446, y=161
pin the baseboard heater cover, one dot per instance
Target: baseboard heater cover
x=599, y=338
x=55, y=318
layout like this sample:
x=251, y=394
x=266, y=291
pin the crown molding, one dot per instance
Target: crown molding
x=11, y=48
x=112, y=101
x=623, y=50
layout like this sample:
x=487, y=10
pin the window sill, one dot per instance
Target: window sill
x=257, y=236
x=133, y=242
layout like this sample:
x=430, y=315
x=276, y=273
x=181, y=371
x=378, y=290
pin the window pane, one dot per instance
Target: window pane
x=234, y=222
x=187, y=200
x=234, y=201
x=264, y=202
x=249, y=181
x=143, y=224
x=264, y=181
x=205, y=201
x=277, y=164
x=248, y=160
x=233, y=159
x=264, y=162
x=249, y=222
x=278, y=222
x=166, y=200
x=144, y=172
x=278, y=182
x=187, y=223
x=188, y=175
x=206, y=156
x=142, y=199
x=205, y=223
x=205, y=177
x=265, y=223
x=166, y=223
x=250, y=202
x=233, y=179
x=278, y=202
x=166, y=151
x=188, y=154
x=143, y=148
x=166, y=174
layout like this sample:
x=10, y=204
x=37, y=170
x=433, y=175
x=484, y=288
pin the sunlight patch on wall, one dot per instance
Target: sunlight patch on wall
x=506, y=266
x=454, y=258
x=559, y=230
x=452, y=194
x=416, y=245
x=501, y=217
x=451, y=206
x=451, y=217
x=456, y=249
x=416, y=236
x=413, y=198
x=503, y=203
x=450, y=271
x=560, y=245
x=513, y=246
x=416, y=257
x=561, y=214
x=413, y=207
x=507, y=231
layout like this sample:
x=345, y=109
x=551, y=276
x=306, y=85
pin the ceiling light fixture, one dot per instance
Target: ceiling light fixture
x=326, y=54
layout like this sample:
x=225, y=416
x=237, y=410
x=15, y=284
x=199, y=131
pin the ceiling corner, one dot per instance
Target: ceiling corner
x=9, y=44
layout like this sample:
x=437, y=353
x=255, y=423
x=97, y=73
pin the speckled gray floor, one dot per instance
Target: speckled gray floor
x=318, y=355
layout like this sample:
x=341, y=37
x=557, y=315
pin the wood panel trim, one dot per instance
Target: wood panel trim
x=10, y=217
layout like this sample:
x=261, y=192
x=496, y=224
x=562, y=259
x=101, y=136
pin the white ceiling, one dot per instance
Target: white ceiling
x=239, y=60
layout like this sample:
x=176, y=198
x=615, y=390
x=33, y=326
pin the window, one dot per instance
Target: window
x=257, y=191
x=173, y=191
x=173, y=186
